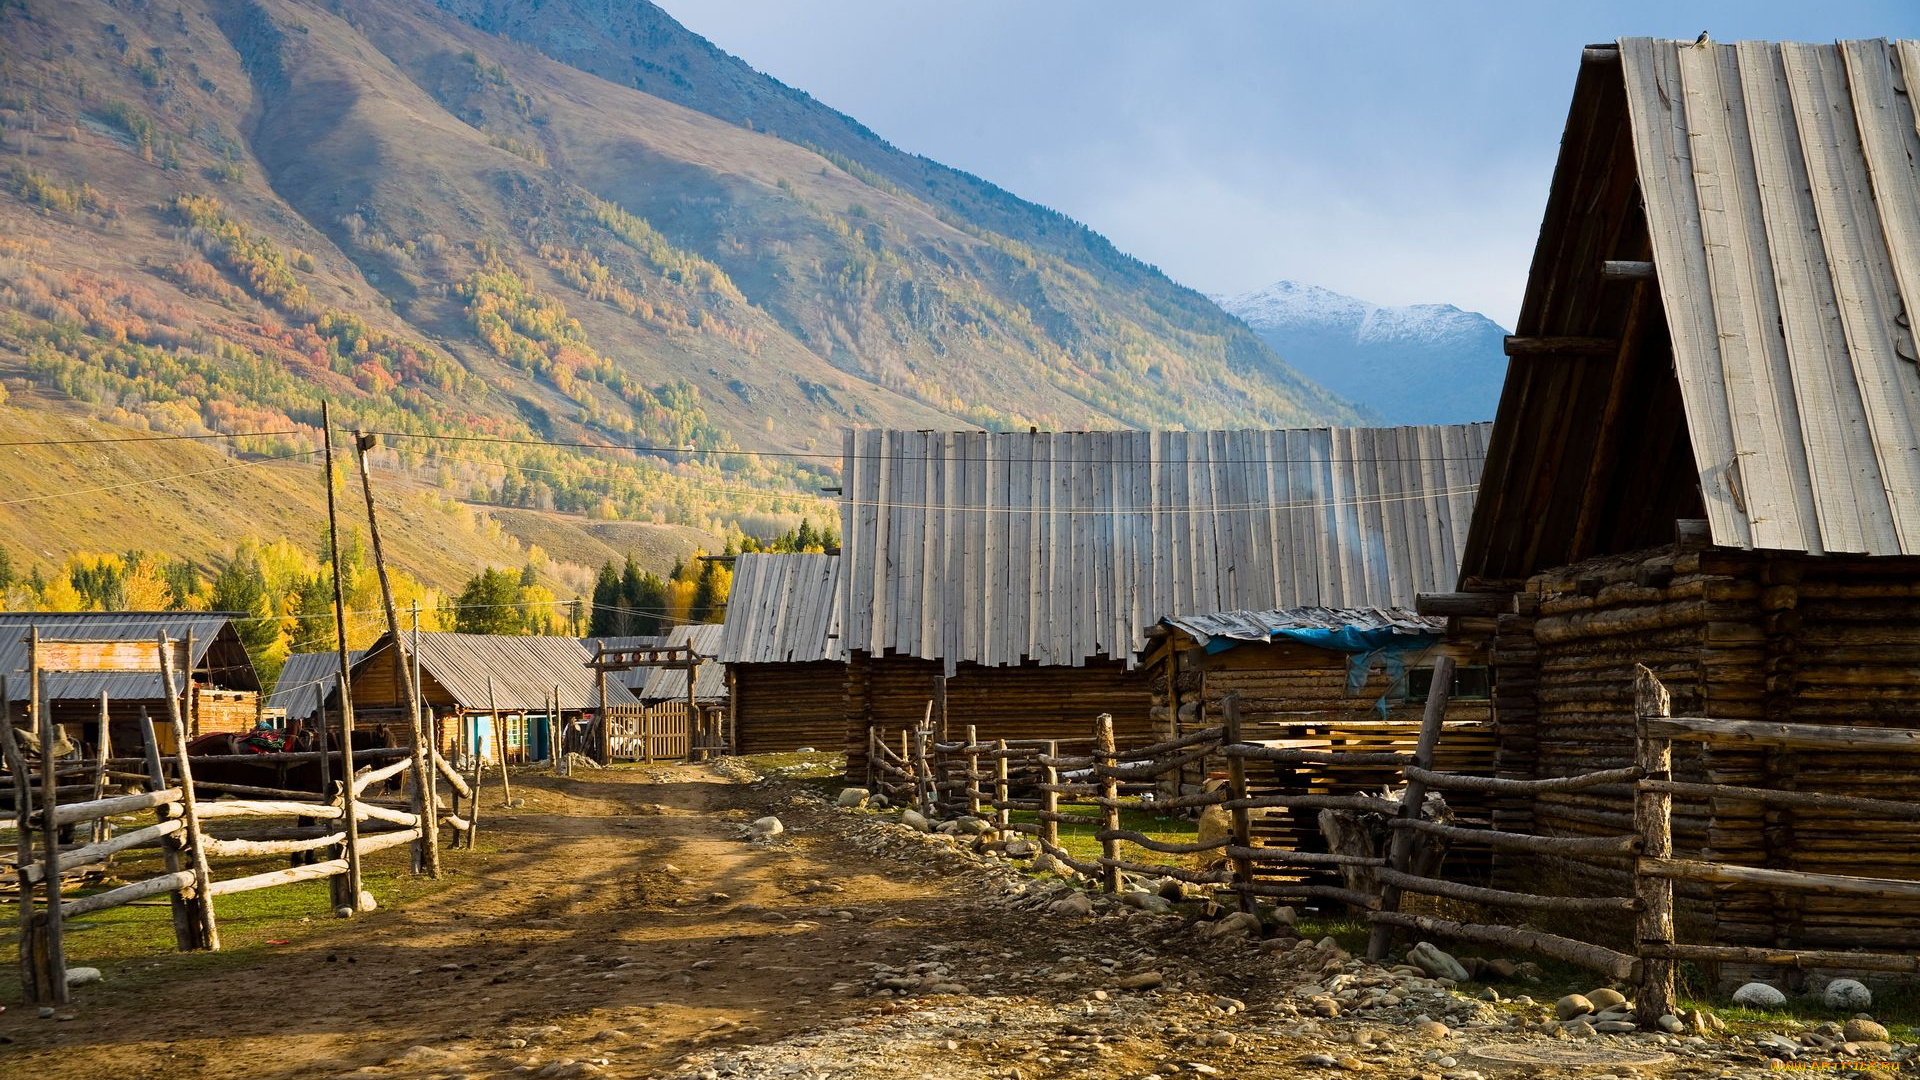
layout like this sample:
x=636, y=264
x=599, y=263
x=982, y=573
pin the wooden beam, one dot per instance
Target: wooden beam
x=1570, y=347
x=1627, y=270
x=1463, y=603
x=1803, y=736
x=1781, y=880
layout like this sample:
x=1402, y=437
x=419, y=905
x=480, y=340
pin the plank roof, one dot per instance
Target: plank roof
x=1774, y=188
x=670, y=684
x=1263, y=625
x=524, y=670
x=306, y=679
x=783, y=608
x=1061, y=547
x=216, y=650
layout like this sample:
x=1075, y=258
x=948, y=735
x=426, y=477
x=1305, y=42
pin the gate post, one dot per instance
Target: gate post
x=1653, y=819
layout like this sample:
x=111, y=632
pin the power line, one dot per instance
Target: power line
x=150, y=438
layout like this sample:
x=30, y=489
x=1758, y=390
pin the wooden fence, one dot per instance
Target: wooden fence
x=1000, y=778
x=339, y=829
x=666, y=731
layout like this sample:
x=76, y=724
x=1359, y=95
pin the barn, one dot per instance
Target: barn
x=1009, y=581
x=786, y=675
x=1707, y=460
x=226, y=689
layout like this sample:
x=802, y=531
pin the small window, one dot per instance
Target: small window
x=1469, y=684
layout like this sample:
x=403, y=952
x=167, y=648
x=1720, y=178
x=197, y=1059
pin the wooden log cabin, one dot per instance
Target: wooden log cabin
x=1007, y=581
x=465, y=679
x=1707, y=460
x=785, y=671
x=226, y=689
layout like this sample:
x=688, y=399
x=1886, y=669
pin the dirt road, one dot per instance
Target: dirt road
x=624, y=927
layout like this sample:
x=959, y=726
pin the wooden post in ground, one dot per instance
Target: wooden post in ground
x=606, y=716
x=553, y=731
x=1002, y=786
x=1240, y=819
x=30, y=985
x=102, y=750
x=973, y=771
x=345, y=888
x=693, y=706
x=1400, y=848
x=185, y=938
x=922, y=769
x=873, y=757
x=1653, y=819
x=432, y=795
x=473, y=807
x=207, y=930
x=1050, y=800
x=940, y=706
x=1105, y=761
x=906, y=764
x=50, y=958
x=427, y=850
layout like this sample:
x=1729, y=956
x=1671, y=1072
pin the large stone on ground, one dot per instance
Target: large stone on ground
x=1758, y=995
x=766, y=828
x=1864, y=1031
x=1145, y=980
x=81, y=976
x=1849, y=994
x=1606, y=998
x=1430, y=959
x=1072, y=904
x=855, y=797
x=1571, y=1006
x=914, y=820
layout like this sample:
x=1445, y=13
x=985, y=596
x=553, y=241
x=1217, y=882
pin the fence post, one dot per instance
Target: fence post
x=1050, y=800
x=1400, y=847
x=1104, y=764
x=170, y=846
x=1653, y=819
x=207, y=932
x=873, y=770
x=1002, y=787
x=49, y=948
x=973, y=771
x=30, y=987
x=922, y=772
x=103, y=745
x=1241, y=818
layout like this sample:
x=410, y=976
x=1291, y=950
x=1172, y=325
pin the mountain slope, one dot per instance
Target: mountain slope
x=1420, y=364
x=214, y=214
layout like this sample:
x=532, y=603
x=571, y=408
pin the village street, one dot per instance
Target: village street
x=619, y=923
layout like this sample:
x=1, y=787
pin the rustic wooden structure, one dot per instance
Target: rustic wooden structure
x=1705, y=462
x=1029, y=565
x=652, y=728
x=111, y=652
x=786, y=673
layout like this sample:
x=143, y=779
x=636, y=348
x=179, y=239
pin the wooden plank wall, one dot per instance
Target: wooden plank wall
x=779, y=707
x=1027, y=702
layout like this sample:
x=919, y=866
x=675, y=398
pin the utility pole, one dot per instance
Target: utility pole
x=426, y=858
x=346, y=891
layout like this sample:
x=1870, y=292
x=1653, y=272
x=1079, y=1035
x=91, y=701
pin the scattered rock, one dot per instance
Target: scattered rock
x=1616, y=1027
x=1758, y=995
x=1238, y=923
x=1578, y=1028
x=1858, y=1030
x=766, y=828
x=854, y=798
x=1571, y=1006
x=343, y=912
x=1501, y=969
x=1219, y=1038
x=1672, y=1024
x=1605, y=998
x=1075, y=903
x=1020, y=849
x=81, y=976
x=1044, y=863
x=972, y=826
x=1229, y=1005
x=1146, y=901
x=1848, y=994
x=1145, y=980
x=1432, y=1029
x=421, y=1057
x=367, y=902
x=915, y=820
x=1436, y=963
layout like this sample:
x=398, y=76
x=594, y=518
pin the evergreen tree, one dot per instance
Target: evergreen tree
x=240, y=587
x=183, y=579
x=6, y=571
x=648, y=603
x=606, y=602
x=313, y=615
x=632, y=610
x=490, y=604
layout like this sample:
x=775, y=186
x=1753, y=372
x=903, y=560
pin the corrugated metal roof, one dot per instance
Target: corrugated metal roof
x=1060, y=547
x=783, y=609
x=1262, y=625
x=524, y=670
x=1784, y=208
x=670, y=684
x=212, y=632
x=306, y=679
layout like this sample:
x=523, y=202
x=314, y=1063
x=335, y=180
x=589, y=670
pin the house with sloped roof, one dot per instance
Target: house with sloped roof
x=785, y=671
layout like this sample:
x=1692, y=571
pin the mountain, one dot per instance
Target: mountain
x=513, y=230
x=1420, y=364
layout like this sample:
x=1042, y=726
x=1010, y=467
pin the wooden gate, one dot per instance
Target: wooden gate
x=649, y=732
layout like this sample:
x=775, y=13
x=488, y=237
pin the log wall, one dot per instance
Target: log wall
x=1027, y=702
x=1733, y=635
x=781, y=707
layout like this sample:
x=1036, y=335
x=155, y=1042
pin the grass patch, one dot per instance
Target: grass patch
x=1079, y=842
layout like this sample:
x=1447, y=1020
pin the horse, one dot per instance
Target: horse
x=271, y=769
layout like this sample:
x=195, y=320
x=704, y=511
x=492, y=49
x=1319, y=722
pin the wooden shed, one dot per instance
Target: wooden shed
x=786, y=674
x=1707, y=461
x=1009, y=579
x=306, y=680
x=226, y=690
x=466, y=678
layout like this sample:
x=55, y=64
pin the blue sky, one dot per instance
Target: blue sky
x=1396, y=151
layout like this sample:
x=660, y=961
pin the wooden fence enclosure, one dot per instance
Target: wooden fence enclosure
x=665, y=731
x=997, y=778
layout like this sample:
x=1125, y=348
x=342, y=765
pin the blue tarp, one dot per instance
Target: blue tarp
x=1363, y=647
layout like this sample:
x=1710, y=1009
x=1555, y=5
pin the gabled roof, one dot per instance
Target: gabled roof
x=783, y=609
x=1062, y=547
x=1767, y=371
x=524, y=670
x=216, y=650
x=670, y=684
x=306, y=679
